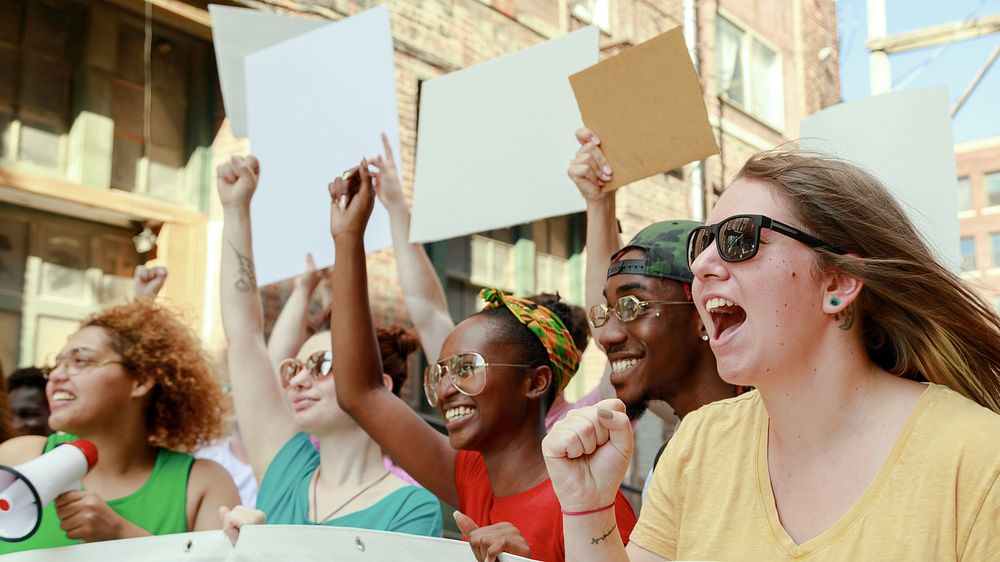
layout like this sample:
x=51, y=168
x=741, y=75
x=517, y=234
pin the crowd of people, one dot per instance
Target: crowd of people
x=838, y=389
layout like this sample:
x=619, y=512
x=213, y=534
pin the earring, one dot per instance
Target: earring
x=704, y=337
x=834, y=301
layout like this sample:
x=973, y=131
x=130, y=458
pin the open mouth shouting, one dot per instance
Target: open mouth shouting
x=727, y=317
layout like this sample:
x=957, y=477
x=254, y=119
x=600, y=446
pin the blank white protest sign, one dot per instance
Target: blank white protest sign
x=495, y=139
x=237, y=32
x=905, y=139
x=316, y=104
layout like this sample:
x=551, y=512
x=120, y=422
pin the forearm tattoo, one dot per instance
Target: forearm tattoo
x=604, y=537
x=247, y=278
x=845, y=317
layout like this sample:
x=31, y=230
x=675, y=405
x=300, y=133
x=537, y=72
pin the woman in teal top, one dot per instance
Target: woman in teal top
x=285, y=493
x=134, y=381
x=345, y=482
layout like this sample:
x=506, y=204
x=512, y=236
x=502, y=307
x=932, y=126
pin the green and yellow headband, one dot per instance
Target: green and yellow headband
x=564, y=357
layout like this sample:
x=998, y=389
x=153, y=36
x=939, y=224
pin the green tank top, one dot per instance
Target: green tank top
x=159, y=506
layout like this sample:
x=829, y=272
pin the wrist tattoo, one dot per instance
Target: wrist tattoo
x=845, y=317
x=247, y=277
x=604, y=537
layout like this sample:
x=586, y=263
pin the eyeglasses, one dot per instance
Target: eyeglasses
x=318, y=365
x=74, y=362
x=467, y=372
x=738, y=237
x=627, y=309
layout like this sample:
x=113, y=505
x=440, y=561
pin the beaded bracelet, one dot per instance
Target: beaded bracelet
x=588, y=512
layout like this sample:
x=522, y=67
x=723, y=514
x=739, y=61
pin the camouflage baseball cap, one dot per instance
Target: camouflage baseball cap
x=665, y=244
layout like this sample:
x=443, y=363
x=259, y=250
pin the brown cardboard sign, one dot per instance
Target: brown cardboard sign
x=647, y=108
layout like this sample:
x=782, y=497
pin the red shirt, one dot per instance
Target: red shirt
x=535, y=512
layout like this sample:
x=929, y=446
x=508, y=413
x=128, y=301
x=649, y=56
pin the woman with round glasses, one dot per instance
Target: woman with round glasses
x=498, y=373
x=345, y=482
x=819, y=292
x=135, y=381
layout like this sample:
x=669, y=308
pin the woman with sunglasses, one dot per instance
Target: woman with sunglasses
x=819, y=292
x=135, y=381
x=345, y=482
x=498, y=372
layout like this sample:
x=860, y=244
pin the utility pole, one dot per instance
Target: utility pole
x=880, y=45
x=879, y=71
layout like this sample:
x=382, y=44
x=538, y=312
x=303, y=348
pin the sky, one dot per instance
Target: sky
x=954, y=65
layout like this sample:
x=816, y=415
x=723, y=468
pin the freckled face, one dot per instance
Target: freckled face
x=776, y=297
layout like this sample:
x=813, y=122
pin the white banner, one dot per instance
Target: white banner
x=495, y=140
x=267, y=543
x=317, y=104
x=905, y=139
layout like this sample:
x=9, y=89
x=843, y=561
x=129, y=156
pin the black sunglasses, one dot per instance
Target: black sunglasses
x=738, y=237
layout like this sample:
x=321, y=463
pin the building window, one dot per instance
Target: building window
x=38, y=48
x=964, y=194
x=967, y=245
x=749, y=73
x=993, y=189
x=151, y=142
x=995, y=249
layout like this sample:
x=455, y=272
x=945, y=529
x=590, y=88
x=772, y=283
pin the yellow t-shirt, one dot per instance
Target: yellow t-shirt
x=934, y=498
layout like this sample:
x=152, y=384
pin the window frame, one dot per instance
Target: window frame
x=747, y=36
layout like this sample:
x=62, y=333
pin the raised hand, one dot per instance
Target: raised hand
x=349, y=212
x=388, y=187
x=148, y=280
x=310, y=277
x=237, y=180
x=488, y=542
x=589, y=169
x=587, y=454
x=234, y=519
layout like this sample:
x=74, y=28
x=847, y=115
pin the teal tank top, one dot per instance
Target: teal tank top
x=284, y=497
x=159, y=506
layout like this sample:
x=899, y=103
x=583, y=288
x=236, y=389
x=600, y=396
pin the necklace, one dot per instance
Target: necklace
x=343, y=505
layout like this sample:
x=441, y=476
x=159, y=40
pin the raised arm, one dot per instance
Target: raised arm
x=149, y=281
x=422, y=289
x=289, y=332
x=590, y=170
x=423, y=452
x=264, y=417
x=587, y=455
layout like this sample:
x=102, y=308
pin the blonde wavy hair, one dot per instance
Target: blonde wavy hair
x=918, y=319
x=186, y=409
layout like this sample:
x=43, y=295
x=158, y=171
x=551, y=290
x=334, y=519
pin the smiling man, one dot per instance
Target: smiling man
x=649, y=328
x=641, y=312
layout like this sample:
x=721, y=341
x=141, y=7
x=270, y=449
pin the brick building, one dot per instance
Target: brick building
x=112, y=123
x=978, y=166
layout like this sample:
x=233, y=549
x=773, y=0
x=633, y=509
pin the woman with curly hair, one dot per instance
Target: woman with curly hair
x=135, y=382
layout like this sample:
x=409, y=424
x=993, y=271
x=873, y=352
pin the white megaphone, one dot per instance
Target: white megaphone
x=26, y=489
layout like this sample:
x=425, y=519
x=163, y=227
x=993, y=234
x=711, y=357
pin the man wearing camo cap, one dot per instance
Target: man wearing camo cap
x=647, y=325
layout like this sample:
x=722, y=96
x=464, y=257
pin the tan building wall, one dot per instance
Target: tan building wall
x=978, y=164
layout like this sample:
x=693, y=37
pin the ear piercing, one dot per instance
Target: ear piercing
x=704, y=337
x=834, y=301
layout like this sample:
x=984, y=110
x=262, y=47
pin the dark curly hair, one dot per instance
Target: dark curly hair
x=395, y=344
x=186, y=408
